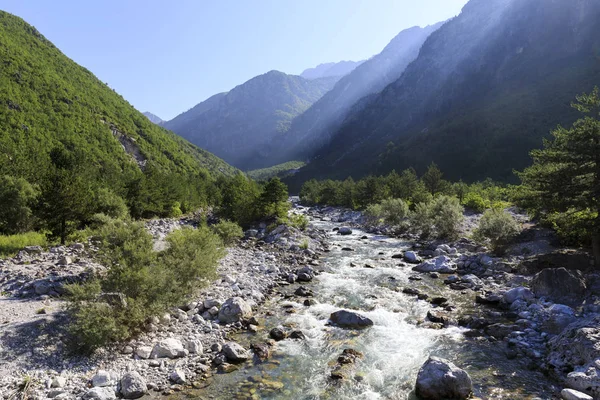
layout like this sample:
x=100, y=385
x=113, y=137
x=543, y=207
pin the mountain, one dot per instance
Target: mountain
x=330, y=69
x=48, y=101
x=238, y=125
x=153, y=118
x=314, y=128
x=484, y=90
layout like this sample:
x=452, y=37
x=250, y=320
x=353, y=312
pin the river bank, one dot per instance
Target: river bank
x=496, y=317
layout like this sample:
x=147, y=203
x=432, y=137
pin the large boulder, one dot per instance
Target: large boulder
x=350, y=319
x=234, y=310
x=441, y=379
x=168, y=348
x=570, y=394
x=559, y=284
x=345, y=231
x=104, y=378
x=235, y=353
x=576, y=346
x=412, y=257
x=133, y=386
x=518, y=293
x=441, y=264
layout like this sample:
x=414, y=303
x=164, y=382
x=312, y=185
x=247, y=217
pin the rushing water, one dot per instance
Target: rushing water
x=394, y=348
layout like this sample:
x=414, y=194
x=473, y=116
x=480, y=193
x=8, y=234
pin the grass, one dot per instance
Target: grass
x=11, y=244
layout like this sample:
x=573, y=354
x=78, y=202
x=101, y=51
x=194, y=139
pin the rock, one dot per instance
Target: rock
x=33, y=249
x=102, y=379
x=412, y=257
x=500, y=331
x=210, y=303
x=277, y=334
x=559, y=284
x=143, y=352
x=441, y=379
x=194, y=347
x=113, y=299
x=305, y=274
x=441, y=264
x=234, y=310
x=577, y=345
x=261, y=350
x=65, y=260
x=585, y=381
x=58, y=382
x=42, y=287
x=177, y=376
x=133, y=385
x=168, y=348
x=570, y=394
x=345, y=231
x=100, y=393
x=297, y=335
x=560, y=316
x=234, y=352
x=435, y=316
x=304, y=292
x=350, y=319
x=518, y=293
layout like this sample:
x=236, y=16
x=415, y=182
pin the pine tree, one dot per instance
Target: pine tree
x=565, y=175
x=433, y=179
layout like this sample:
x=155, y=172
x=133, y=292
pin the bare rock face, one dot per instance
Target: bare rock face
x=441, y=379
x=234, y=309
x=560, y=285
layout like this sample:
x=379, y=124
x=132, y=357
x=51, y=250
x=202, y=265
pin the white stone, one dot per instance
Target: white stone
x=143, y=352
x=171, y=348
x=102, y=379
x=570, y=394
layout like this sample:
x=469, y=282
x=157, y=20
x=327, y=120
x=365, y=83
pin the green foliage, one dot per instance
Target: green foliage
x=140, y=283
x=12, y=244
x=298, y=221
x=475, y=202
x=280, y=171
x=497, y=226
x=304, y=244
x=441, y=217
x=392, y=212
x=106, y=202
x=49, y=103
x=228, y=231
x=239, y=199
x=273, y=199
x=572, y=226
x=17, y=198
x=432, y=179
x=565, y=175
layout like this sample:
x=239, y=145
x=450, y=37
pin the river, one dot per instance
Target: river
x=370, y=281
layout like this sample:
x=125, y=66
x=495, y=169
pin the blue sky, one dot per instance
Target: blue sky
x=167, y=56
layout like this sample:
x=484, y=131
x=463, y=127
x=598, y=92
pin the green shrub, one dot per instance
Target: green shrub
x=374, y=214
x=298, y=221
x=304, y=244
x=475, y=202
x=574, y=228
x=228, y=231
x=17, y=197
x=441, y=217
x=12, y=244
x=175, y=210
x=108, y=203
x=497, y=226
x=394, y=211
x=149, y=282
x=447, y=216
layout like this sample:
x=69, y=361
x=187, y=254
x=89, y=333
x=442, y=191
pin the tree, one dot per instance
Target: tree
x=66, y=196
x=565, y=175
x=17, y=196
x=273, y=199
x=433, y=179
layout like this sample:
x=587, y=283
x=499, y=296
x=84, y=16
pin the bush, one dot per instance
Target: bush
x=442, y=217
x=475, y=202
x=447, y=216
x=17, y=196
x=228, y=231
x=175, y=210
x=148, y=282
x=108, y=203
x=498, y=226
x=574, y=228
x=298, y=221
x=391, y=212
x=12, y=244
x=374, y=214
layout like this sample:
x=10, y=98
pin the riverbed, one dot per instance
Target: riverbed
x=358, y=273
